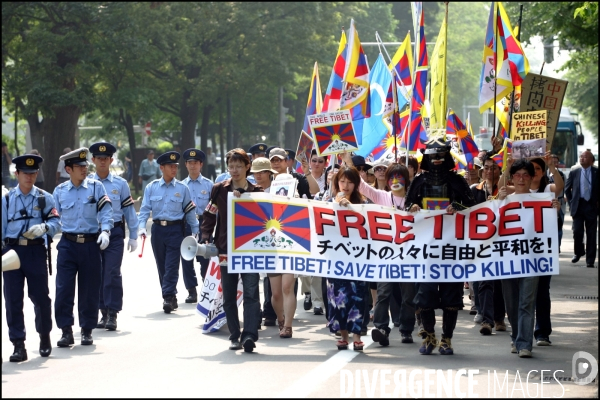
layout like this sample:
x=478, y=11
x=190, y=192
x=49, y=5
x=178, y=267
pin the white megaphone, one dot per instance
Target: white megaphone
x=190, y=248
x=10, y=261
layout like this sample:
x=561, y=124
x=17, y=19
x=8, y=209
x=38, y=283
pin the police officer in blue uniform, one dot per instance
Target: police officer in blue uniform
x=28, y=215
x=200, y=188
x=87, y=220
x=117, y=189
x=170, y=202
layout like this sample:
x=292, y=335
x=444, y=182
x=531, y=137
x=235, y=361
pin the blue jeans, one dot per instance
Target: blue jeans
x=251, y=301
x=519, y=297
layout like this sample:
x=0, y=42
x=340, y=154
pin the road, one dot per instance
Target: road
x=159, y=355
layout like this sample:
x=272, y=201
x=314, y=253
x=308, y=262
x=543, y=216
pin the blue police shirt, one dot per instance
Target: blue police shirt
x=227, y=175
x=119, y=194
x=200, y=191
x=85, y=208
x=18, y=201
x=168, y=202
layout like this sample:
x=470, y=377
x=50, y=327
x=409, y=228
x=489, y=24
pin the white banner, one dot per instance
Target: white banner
x=516, y=237
x=210, y=302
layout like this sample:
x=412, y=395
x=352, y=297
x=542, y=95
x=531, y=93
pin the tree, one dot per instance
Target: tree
x=575, y=26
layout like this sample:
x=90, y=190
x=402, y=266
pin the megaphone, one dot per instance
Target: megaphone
x=10, y=261
x=190, y=248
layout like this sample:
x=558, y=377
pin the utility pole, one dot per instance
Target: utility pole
x=282, y=118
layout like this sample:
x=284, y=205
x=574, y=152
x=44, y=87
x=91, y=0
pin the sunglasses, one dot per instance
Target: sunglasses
x=318, y=160
x=361, y=169
x=379, y=169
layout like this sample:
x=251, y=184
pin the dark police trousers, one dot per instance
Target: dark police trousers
x=111, y=280
x=34, y=269
x=81, y=261
x=166, y=246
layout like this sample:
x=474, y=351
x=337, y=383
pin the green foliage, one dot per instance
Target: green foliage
x=163, y=147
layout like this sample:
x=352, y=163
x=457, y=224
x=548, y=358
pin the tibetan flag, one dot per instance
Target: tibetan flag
x=439, y=80
x=315, y=102
x=455, y=126
x=379, y=125
x=335, y=87
x=500, y=158
x=402, y=65
x=494, y=57
x=518, y=65
x=417, y=134
x=355, y=96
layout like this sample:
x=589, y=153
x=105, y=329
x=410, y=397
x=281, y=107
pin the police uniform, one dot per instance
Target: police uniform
x=200, y=189
x=87, y=219
x=169, y=203
x=26, y=220
x=111, y=282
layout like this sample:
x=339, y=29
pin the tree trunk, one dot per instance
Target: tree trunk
x=204, y=127
x=222, y=137
x=56, y=133
x=189, y=119
x=126, y=120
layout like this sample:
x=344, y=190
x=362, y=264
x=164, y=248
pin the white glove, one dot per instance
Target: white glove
x=142, y=232
x=132, y=245
x=36, y=231
x=103, y=240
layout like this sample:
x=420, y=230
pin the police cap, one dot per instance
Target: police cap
x=76, y=157
x=28, y=163
x=170, y=157
x=291, y=154
x=258, y=148
x=194, y=154
x=102, y=149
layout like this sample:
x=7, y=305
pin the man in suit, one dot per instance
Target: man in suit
x=581, y=191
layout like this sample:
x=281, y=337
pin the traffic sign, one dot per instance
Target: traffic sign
x=148, y=128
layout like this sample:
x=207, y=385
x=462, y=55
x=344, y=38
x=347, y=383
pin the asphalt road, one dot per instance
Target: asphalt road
x=153, y=354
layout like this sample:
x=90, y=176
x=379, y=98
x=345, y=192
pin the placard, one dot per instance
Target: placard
x=284, y=187
x=528, y=133
x=305, y=146
x=333, y=132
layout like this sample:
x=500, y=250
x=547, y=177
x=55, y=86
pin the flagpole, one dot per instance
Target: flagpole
x=395, y=115
x=495, y=67
x=444, y=98
x=379, y=41
x=512, y=97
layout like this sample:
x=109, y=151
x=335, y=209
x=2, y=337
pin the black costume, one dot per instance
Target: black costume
x=440, y=182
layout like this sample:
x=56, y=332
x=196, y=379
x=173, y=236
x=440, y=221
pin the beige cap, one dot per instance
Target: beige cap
x=260, y=164
x=278, y=152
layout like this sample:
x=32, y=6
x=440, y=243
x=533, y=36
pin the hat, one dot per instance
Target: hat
x=269, y=151
x=380, y=163
x=291, y=154
x=150, y=152
x=278, y=152
x=336, y=166
x=194, y=154
x=437, y=144
x=28, y=162
x=258, y=148
x=102, y=149
x=260, y=164
x=170, y=157
x=76, y=157
x=359, y=161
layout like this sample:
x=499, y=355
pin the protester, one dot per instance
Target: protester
x=347, y=297
x=215, y=214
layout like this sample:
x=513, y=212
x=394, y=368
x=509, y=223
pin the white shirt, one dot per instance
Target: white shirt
x=61, y=169
x=211, y=159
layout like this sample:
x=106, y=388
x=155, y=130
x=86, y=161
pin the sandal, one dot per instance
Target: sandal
x=342, y=345
x=286, y=332
x=358, y=346
x=281, y=324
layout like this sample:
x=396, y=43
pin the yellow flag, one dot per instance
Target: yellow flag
x=438, y=97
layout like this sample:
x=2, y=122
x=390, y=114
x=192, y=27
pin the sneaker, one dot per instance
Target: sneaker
x=378, y=335
x=543, y=342
x=318, y=311
x=524, y=353
x=478, y=318
x=446, y=347
x=406, y=337
x=500, y=326
x=486, y=329
x=473, y=310
x=429, y=344
x=513, y=348
x=307, y=301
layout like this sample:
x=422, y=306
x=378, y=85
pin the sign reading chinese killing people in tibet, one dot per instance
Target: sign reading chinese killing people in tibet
x=333, y=132
x=528, y=133
x=539, y=92
x=499, y=239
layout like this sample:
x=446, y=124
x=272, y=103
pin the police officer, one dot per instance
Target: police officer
x=170, y=202
x=291, y=160
x=87, y=219
x=28, y=214
x=117, y=189
x=200, y=188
